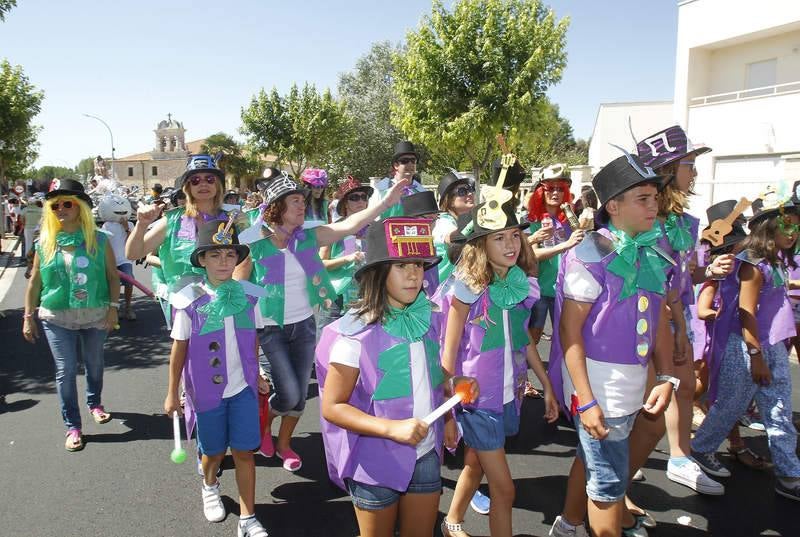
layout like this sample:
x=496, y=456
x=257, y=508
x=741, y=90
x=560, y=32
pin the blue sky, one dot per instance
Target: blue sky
x=131, y=62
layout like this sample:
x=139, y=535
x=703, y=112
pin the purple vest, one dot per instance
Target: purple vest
x=682, y=278
x=702, y=330
x=372, y=460
x=618, y=332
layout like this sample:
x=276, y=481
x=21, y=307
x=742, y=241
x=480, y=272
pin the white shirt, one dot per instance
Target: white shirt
x=346, y=351
x=508, y=362
x=296, y=306
x=117, y=240
x=618, y=388
x=182, y=330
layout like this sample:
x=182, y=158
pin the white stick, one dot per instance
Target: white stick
x=443, y=409
x=176, y=429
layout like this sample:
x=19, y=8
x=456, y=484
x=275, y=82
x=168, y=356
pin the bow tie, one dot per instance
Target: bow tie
x=678, y=234
x=637, y=262
x=511, y=290
x=229, y=299
x=411, y=322
x=75, y=239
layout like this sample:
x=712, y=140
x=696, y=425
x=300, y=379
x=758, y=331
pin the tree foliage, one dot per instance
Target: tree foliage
x=20, y=102
x=85, y=167
x=51, y=172
x=302, y=128
x=5, y=7
x=240, y=164
x=477, y=71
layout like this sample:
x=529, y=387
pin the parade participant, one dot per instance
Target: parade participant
x=115, y=212
x=343, y=257
x=32, y=219
x=545, y=212
x=379, y=376
x=284, y=258
x=404, y=167
x=487, y=312
x=611, y=317
x=316, y=181
x=423, y=205
x=74, y=275
x=456, y=197
x=671, y=154
x=214, y=351
x=794, y=274
x=750, y=358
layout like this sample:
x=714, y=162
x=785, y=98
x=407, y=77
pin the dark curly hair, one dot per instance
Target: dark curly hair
x=274, y=212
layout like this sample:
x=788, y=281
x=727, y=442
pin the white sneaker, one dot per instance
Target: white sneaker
x=212, y=504
x=558, y=529
x=689, y=474
x=252, y=528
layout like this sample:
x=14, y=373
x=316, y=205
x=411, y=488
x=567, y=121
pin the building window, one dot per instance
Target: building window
x=760, y=75
x=130, y=171
x=154, y=171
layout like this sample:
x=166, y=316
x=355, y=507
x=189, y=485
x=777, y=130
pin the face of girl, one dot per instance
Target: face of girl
x=463, y=197
x=66, y=209
x=685, y=174
x=502, y=249
x=219, y=264
x=404, y=283
x=203, y=186
x=554, y=192
x=786, y=234
x=356, y=201
x=317, y=192
x=636, y=211
x=295, y=212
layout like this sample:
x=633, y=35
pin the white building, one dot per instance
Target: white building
x=737, y=90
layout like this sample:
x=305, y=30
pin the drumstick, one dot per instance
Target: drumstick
x=178, y=454
x=462, y=394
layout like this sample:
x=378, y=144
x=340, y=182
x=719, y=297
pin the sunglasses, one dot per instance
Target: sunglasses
x=357, y=197
x=786, y=227
x=464, y=191
x=196, y=179
x=688, y=163
x=557, y=187
x=406, y=160
x=65, y=204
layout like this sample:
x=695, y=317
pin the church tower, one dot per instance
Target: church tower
x=170, y=141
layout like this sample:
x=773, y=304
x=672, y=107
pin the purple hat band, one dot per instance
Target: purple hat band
x=666, y=147
x=315, y=177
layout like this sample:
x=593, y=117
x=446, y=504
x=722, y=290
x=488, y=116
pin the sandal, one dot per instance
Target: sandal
x=74, y=440
x=532, y=392
x=453, y=530
x=750, y=459
x=99, y=414
x=291, y=460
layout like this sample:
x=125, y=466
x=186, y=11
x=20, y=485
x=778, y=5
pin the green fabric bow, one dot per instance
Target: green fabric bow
x=74, y=239
x=511, y=290
x=637, y=263
x=679, y=236
x=395, y=363
x=230, y=299
x=778, y=279
x=411, y=322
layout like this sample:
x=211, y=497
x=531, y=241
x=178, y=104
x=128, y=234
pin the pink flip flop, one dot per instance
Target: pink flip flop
x=291, y=460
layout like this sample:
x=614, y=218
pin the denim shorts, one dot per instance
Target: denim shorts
x=606, y=461
x=427, y=478
x=126, y=268
x=487, y=431
x=233, y=424
x=539, y=311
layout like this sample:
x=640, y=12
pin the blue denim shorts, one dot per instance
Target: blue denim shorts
x=487, y=431
x=427, y=478
x=606, y=461
x=233, y=424
x=126, y=268
x=539, y=311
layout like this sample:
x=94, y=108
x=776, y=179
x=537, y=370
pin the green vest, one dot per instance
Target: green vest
x=548, y=269
x=342, y=277
x=84, y=285
x=175, y=251
x=269, y=272
x=445, y=267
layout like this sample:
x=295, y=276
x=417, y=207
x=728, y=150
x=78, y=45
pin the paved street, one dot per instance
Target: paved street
x=123, y=482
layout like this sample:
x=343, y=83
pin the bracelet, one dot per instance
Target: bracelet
x=27, y=315
x=587, y=406
x=114, y=305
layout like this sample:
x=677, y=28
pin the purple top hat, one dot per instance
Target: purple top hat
x=667, y=146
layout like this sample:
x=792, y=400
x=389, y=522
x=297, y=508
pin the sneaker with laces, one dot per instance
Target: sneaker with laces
x=710, y=464
x=685, y=471
x=251, y=527
x=480, y=503
x=212, y=503
x=561, y=528
x=790, y=490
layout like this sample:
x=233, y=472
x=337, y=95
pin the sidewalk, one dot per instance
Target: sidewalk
x=10, y=263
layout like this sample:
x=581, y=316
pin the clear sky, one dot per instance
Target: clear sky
x=131, y=62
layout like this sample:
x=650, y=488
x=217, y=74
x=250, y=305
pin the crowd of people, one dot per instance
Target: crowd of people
x=402, y=299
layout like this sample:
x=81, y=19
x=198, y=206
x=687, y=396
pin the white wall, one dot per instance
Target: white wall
x=611, y=126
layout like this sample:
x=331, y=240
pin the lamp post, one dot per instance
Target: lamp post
x=113, y=174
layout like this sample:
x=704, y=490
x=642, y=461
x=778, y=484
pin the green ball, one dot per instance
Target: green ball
x=178, y=456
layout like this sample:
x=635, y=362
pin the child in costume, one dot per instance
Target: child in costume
x=456, y=198
x=115, y=211
x=749, y=355
x=215, y=352
x=611, y=317
x=423, y=205
x=488, y=308
x=379, y=375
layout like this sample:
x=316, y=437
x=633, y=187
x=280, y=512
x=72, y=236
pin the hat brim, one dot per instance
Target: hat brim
x=427, y=262
x=242, y=250
x=697, y=151
x=396, y=156
x=462, y=239
x=567, y=179
x=299, y=190
x=81, y=195
x=363, y=188
x=731, y=239
x=188, y=173
x=791, y=209
x=453, y=185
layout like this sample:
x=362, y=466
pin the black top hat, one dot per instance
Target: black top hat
x=737, y=235
x=268, y=175
x=69, y=187
x=667, y=146
x=722, y=210
x=514, y=176
x=620, y=175
x=404, y=148
x=449, y=181
x=279, y=188
x=719, y=211
x=399, y=239
x=201, y=164
x=770, y=205
x=419, y=204
x=474, y=229
x=212, y=235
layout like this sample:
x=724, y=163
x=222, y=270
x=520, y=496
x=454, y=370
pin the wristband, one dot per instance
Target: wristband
x=28, y=315
x=587, y=406
x=114, y=305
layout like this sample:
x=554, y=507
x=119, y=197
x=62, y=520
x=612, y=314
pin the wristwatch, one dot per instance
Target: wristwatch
x=672, y=380
x=752, y=351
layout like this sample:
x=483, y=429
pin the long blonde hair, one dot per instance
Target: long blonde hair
x=51, y=226
x=190, y=209
x=475, y=270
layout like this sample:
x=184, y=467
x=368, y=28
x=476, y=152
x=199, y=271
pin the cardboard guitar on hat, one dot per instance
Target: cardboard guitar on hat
x=491, y=215
x=718, y=229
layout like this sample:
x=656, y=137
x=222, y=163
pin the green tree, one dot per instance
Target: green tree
x=477, y=71
x=86, y=167
x=20, y=102
x=51, y=172
x=240, y=165
x=302, y=128
x=5, y=7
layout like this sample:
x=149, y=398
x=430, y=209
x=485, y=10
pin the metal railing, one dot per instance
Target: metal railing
x=741, y=95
